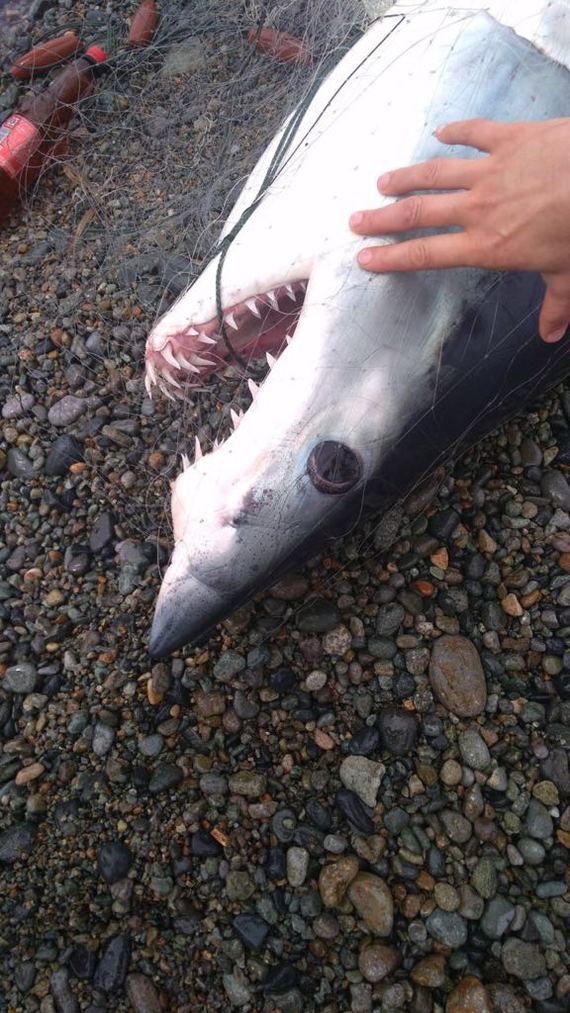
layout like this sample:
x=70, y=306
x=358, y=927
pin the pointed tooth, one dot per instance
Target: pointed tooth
x=252, y=307
x=206, y=340
x=271, y=360
x=231, y=321
x=288, y=338
x=185, y=462
x=215, y=444
x=192, y=332
x=235, y=417
x=290, y=292
x=202, y=362
x=171, y=379
x=167, y=393
x=253, y=388
x=168, y=356
x=197, y=450
x=185, y=363
x=150, y=370
x=273, y=299
x=148, y=384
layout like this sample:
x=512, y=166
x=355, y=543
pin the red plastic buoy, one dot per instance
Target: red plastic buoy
x=45, y=55
x=143, y=24
x=282, y=45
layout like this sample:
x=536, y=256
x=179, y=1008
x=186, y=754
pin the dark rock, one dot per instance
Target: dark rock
x=82, y=962
x=65, y=1001
x=17, y=842
x=166, y=776
x=398, y=730
x=280, y=978
x=283, y=680
x=319, y=616
x=114, y=964
x=205, y=846
x=365, y=740
x=114, y=860
x=355, y=811
x=102, y=532
x=252, y=930
x=64, y=452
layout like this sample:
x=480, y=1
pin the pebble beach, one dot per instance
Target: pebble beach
x=355, y=796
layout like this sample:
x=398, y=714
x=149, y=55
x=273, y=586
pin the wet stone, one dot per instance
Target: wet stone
x=19, y=464
x=228, y=664
x=102, y=532
x=24, y=976
x=556, y=488
x=82, y=962
x=166, y=776
x=297, y=866
x=538, y=821
x=63, y=997
x=522, y=960
x=447, y=927
x=355, y=811
x=373, y=901
x=498, y=916
x=469, y=996
x=113, y=965
x=389, y=619
x=318, y=616
x=248, y=783
x=252, y=930
x=377, y=961
x=335, y=878
x=64, y=452
x=203, y=845
x=430, y=971
x=398, y=730
x=142, y=994
x=456, y=826
x=362, y=776
x=484, y=877
x=17, y=842
x=457, y=677
x=114, y=860
x=67, y=410
x=365, y=740
x=22, y=678
x=239, y=885
x=474, y=750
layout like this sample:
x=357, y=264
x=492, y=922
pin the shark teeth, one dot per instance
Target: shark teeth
x=168, y=356
x=271, y=360
x=252, y=307
x=290, y=293
x=197, y=450
x=163, y=387
x=206, y=340
x=253, y=388
x=273, y=300
x=230, y=320
x=186, y=364
x=236, y=417
x=185, y=462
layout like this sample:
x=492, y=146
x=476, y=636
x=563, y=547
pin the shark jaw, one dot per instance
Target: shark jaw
x=383, y=378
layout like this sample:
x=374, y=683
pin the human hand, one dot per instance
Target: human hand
x=513, y=207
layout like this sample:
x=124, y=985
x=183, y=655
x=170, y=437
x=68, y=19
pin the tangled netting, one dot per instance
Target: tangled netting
x=184, y=120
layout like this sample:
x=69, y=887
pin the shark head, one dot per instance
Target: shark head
x=354, y=358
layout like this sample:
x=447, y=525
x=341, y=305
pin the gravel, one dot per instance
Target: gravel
x=355, y=793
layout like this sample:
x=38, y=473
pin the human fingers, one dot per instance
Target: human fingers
x=420, y=212
x=554, y=318
x=482, y=134
x=437, y=174
x=448, y=250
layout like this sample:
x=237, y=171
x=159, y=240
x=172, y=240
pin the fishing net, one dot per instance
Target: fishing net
x=106, y=242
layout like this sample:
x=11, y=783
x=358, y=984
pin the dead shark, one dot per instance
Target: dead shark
x=375, y=380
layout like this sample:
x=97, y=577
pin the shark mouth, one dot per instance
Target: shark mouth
x=261, y=324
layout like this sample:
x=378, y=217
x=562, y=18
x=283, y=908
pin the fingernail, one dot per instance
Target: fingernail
x=438, y=130
x=356, y=219
x=556, y=335
x=384, y=180
x=365, y=257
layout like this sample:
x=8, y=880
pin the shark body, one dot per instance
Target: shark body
x=377, y=379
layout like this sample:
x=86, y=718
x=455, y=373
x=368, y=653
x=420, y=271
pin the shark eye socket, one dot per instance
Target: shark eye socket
x=333, y=467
